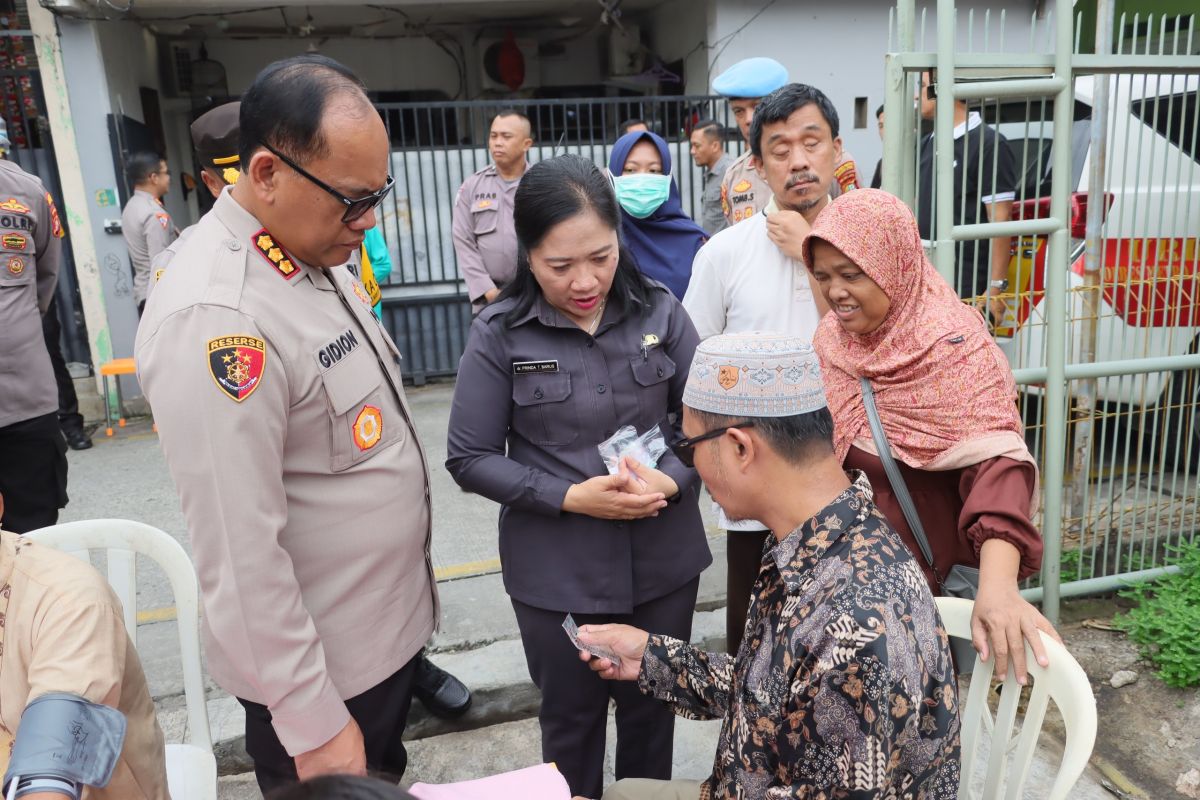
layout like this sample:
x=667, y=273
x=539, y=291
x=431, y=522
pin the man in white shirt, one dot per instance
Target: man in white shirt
x=749, y=277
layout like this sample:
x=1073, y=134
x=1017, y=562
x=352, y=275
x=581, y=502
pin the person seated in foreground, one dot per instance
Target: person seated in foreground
x=843, y=686
x=62, y=633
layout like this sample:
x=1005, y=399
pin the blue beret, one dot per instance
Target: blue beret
x=751, y=77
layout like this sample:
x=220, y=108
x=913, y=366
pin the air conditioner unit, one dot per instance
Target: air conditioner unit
x=626, y=56
x=67, y=8
x=175, y=69
x=488, y=49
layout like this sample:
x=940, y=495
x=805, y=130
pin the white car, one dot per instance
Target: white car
x=1149, y=281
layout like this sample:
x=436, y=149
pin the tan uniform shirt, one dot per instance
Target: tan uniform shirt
x=485, y=242
x=744, y=193
x=282, y=417
x=64, y=632
x=148, y=230
x=30, y=252
x=159, y=265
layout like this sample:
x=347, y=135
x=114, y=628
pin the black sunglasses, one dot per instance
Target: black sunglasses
x=685, y=449
x=355, y=206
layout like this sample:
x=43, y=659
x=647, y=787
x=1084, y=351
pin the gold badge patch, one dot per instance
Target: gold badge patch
x=742, y=186
x=727, y=376
x=275, y=255
x=16, y=265
x=368, y=428
x=14, y=241
x=14, y=205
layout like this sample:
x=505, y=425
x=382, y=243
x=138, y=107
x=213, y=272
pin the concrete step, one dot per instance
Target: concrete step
x=496, y=674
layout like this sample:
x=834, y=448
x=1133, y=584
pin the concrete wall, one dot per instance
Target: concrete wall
x=130, y=56
x=840, y=50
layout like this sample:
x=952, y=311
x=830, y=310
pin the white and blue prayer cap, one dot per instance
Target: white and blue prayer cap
x=751, y=77
x=755, y=375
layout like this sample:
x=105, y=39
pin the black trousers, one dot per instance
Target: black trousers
x=33, y=473
x=743, y=559
x=68, y=402
x=381, y=712
x=574, y=712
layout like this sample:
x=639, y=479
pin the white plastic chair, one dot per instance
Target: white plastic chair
x=1064, y=682
x=191, y=768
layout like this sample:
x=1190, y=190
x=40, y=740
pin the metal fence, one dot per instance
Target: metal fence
x=1102, y=120
x=435, y=146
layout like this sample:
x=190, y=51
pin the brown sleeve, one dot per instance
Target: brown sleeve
x=996, y=497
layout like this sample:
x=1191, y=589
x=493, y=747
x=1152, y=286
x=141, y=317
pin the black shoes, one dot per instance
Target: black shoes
x=77, y=439
x=443, y=694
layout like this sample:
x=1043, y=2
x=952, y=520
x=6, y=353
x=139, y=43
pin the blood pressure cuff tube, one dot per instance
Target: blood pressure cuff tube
x=63, y=739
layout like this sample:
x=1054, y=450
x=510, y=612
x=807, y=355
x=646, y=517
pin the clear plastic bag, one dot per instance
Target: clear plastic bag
x=646, y=449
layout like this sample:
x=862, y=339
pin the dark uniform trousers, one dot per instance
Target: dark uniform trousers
x=31, y=451
x=381, y=713
x=574, y=711
x=743, y=560
x=68, y=402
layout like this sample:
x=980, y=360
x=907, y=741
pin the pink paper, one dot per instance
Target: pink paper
x=543, y=782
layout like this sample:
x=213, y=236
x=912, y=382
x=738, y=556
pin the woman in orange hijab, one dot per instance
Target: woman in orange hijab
x=947, y=402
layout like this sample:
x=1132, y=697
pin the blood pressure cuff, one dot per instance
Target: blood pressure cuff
x=64, y=736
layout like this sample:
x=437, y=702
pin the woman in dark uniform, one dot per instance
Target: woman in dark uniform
x=579, y=345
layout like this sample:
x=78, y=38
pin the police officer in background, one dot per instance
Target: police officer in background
x=33, y=462
x=145, y=224
x=283, y=420
x=744, y=190
x=215, y=137
x=484, y=240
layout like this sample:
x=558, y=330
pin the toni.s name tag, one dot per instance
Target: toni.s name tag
x=531, y=367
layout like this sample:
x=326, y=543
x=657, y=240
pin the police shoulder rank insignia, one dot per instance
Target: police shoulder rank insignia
x=14, y=205
x=56, y=227
x=14, y=241
x=236, y=364
x=368, y=428
x=275, y=255
x=16, y=265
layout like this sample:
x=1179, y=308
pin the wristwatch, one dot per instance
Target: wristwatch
x=1001, y=284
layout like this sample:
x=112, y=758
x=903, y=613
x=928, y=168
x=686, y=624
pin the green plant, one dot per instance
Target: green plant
x=1167, y=616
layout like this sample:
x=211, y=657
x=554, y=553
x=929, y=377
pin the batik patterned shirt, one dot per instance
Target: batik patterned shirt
x=843, y=686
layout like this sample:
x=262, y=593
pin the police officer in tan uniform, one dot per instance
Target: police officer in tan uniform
x=743, y=190
x=145, y=224
x=215, y=138
x=283, y=420
x=484, y=240
x=33, y=463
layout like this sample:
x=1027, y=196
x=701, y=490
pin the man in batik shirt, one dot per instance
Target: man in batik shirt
x=843, y=686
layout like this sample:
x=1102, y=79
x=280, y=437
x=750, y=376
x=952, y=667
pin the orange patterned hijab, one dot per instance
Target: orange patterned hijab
x=944, y=390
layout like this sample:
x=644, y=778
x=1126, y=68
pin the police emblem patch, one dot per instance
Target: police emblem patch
x=275, y=255
x=56, y=227
x=368, y=428
x=237, y=364
x=163, y=220
x=847, y=176
x=14, y=205
x=14, y=241
x=16, y=265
